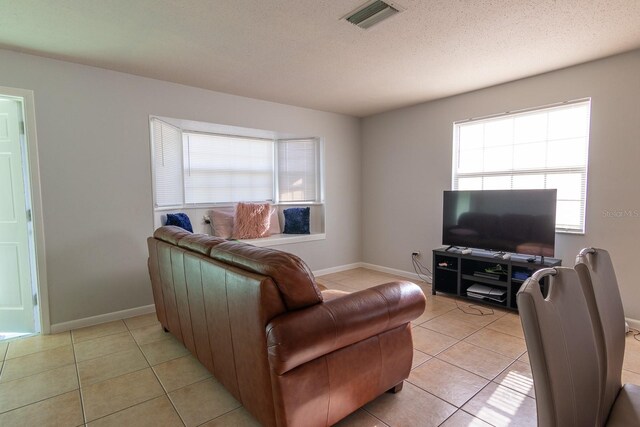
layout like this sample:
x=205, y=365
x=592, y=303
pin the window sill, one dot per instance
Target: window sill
x=574, y=232
x=285, y=239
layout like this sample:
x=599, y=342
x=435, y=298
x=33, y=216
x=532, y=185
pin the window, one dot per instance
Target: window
x=204, y=168
x=222, y=168
x=167, y=162
x=298, y=161
x=540, y=148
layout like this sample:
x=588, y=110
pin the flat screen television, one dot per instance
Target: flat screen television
x=518, y=221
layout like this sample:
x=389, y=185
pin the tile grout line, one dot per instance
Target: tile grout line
x=38, y=373
x=469, y=413
x=462, y=410
x=489, y=381
x=105, y=354
x=459, y=408
x=458, y=340
x=484, y=348
x=4, y=361
x=75, y=360
x=35, y=373
x=98, y=337
x=466, y=336
x=445, y=349
x=34, y=352
x=188, y=385
x=166, y=393
x=365, y=410
x=38, y=401
x=466, y=342
x=465, y=369
x=221, y=415
x=118, y=376
x=446, y=401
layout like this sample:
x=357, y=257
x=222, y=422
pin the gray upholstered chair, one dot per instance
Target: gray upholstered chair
x=575, y=384
x=562, y=349
x=620, y=405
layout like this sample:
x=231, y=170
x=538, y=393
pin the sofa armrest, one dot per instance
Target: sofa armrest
x=300, y=336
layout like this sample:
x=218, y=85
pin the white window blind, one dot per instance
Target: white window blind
x=225, y=168
x=541, y=148
x=167, y=164
x=298, y=166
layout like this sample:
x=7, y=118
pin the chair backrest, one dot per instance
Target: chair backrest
x=597, y=275
x=560, y=339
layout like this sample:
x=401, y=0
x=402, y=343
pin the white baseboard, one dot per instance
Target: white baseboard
x=396, y=272
x=138, y=311
x=102, y=318
x=337, y=269
x=633, y=323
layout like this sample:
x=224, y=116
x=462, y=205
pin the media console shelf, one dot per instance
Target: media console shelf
x=454, y=273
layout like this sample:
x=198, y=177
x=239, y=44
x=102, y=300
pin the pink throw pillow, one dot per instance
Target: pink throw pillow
x=222, y=222
x=274, y=227
x=252, y=220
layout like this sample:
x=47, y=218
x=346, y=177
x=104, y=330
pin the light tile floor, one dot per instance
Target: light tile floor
x=468, y=370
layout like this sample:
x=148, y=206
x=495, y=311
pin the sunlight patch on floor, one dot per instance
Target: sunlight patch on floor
x=518, y=382
x=9, y=335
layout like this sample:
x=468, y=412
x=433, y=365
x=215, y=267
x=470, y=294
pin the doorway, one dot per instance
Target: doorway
x=21, y=236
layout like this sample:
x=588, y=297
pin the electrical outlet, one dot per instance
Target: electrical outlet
x=415, y=254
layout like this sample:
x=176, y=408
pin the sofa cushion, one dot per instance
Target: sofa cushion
x=274, y=222
x=201, y=243
x=252, y=220
x=293, y=277
x=222, y=221
x=180, y=220
x=170, y=234
x=296, y=220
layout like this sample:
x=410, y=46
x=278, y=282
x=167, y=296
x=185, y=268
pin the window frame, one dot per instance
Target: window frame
x=154, y=170
x=318, y=152
x=546, y=171
x=235, y=132
x=186, y=133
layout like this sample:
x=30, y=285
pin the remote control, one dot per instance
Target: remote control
x=466, y=251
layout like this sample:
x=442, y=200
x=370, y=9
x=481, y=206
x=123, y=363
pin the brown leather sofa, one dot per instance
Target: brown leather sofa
x=292, y=354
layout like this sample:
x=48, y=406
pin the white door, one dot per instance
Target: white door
x=16, y=295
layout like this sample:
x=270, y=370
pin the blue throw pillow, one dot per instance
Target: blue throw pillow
x=296, y=221
x=181, y=220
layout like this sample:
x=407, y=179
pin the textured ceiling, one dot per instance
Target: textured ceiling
x=299, y=52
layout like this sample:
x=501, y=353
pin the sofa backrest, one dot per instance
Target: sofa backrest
x=292, y=275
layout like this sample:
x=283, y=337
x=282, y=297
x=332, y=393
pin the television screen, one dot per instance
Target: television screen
x=519, y=221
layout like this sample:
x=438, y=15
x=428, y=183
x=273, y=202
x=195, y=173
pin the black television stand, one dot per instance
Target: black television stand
x=454, y=273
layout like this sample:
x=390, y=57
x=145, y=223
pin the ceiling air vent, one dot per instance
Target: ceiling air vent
x=371, y=13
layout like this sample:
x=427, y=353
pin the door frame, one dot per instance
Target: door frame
x=37, y=217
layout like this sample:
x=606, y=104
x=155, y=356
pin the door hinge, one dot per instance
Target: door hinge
x=21, y=128
x=28, y=215
x=35, y=299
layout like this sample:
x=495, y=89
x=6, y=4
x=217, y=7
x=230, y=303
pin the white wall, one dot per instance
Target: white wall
x=93, y=137
x=407, y=157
